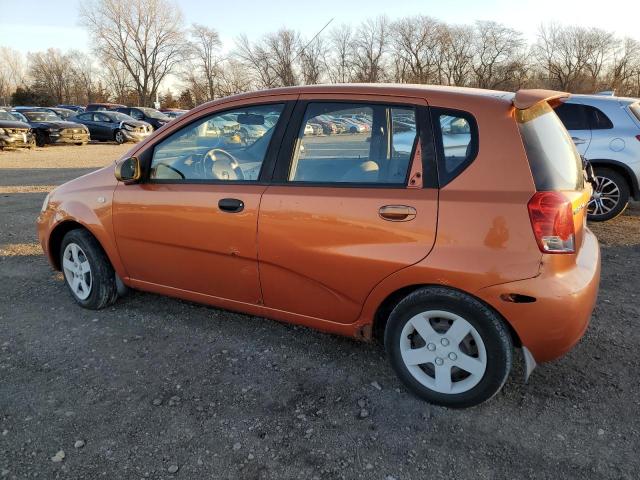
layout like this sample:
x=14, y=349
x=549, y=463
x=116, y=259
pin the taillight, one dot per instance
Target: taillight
x=552, y=221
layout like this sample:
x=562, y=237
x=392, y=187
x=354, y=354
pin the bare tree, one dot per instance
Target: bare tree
x=573, y=57
x=205, y=46
x=12, y=73
x=498, y=54
x=118, y=80
x=624, y=72
x=457, y=55
x=51, y=72
x=271, y=58
x=371, y=43
x=145, y=36
x=341, y=42
x=417, y=49
x=313, y=61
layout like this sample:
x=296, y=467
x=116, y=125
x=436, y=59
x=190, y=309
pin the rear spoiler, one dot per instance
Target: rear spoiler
x=527, y=98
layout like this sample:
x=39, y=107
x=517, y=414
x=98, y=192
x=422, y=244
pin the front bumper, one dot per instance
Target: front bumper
x=564, y=300
x=136, y=136
x=58, y=138
x=17, y=140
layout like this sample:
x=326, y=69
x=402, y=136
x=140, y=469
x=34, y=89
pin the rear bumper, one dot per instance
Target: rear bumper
x=552, y=324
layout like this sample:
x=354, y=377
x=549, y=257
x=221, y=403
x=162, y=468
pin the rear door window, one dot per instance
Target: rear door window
x=555, y=163
x=354, y=143
x=573, y=116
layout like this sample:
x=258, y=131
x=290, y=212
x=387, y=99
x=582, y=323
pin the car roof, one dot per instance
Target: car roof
x=430, y=92
x=602, y=99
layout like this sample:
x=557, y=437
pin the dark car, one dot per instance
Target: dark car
x=102, y=106
x=14, y=133
x=174, y=113
x=113, y=126
x=150, y=115
x=75, y=108
x=49, y=128
x=63, y=113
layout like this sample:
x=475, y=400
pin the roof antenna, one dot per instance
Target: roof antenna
x=311, y=41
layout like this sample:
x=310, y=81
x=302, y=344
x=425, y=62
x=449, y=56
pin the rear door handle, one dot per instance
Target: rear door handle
x=397, y=213
x=231, y=205
x=578, y=141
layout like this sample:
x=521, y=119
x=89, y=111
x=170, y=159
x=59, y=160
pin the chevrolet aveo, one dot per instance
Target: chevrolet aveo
x=451, y=225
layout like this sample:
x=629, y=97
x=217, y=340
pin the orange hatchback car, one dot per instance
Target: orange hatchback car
x=448, y=222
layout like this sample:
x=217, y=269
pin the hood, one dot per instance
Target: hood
x=9, y=124
x=135, y=123
x=58, y=124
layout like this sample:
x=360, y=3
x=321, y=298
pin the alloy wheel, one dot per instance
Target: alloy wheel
x=605, y=198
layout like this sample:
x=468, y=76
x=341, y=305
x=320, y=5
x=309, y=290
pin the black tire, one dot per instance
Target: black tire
x=604, y=173
x=119, y=137
x=40, y=140
x=103, y=291
x=490, y=327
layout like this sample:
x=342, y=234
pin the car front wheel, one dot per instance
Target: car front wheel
x=87, y=270
x=610, y=195
x=119, y=137
x=448, y=348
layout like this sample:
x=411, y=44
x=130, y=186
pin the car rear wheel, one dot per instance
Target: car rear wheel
x=448, y=348
x=40, y=140
x=119, y=137
x=610, y=195
x=87, y=270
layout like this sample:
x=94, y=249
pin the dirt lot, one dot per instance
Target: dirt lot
x=155, y=384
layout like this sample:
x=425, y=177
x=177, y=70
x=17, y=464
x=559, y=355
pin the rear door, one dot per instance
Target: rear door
x=345, y=210
x=575, y=118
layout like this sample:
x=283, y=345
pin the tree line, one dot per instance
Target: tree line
x=141, y=46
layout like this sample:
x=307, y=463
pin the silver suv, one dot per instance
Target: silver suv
x=606, y=131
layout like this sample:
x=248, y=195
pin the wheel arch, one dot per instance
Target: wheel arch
x=383, y=311
x=623, y=170
x=57, y=235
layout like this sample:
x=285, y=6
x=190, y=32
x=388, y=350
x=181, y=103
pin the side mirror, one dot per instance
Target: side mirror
x=128, y=170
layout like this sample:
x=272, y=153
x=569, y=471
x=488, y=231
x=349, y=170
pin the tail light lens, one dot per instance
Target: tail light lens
x=552, y=221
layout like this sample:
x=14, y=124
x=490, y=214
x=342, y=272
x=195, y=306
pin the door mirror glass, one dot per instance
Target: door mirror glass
x=128, y=170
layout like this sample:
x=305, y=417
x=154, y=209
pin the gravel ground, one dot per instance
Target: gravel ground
x=159, y=388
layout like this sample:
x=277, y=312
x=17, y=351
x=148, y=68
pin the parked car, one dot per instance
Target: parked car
x=102, y=106
x=61, y=113
x=14, y=133
x=150, y=115
x=75, y=108
x=606, y=131
x=49, y=129
x=451, y=265
x=18, y=116
x=173, y=114
x=113, y=126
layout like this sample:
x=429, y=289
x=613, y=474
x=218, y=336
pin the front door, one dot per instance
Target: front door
x=344, y=211
x=191, y=225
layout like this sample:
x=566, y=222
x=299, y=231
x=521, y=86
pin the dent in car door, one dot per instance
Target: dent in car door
x=322, y=249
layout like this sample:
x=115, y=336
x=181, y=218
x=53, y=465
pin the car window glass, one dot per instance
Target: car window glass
x=574, y=117
x=137, y=114
x=85, y=116
x=229, y=146
x=598, y=120
x=101, y=117
x=354, y=143
x=457, y=147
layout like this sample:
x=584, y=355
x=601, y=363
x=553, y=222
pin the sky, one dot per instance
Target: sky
x=33, y=25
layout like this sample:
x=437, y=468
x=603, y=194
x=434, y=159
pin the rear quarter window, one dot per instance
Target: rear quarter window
x=456, y=135
x=555, y=163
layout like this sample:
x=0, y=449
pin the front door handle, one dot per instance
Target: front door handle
x=578, y=141
x=397, y=213
x=231, y=205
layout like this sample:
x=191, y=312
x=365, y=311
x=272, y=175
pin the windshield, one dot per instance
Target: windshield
x=120, y=117
x=7, y=116
x=153, y=113
x=555, y=163
x=41, y=116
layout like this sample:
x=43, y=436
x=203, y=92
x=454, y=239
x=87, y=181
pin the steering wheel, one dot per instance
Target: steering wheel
x=225, y=168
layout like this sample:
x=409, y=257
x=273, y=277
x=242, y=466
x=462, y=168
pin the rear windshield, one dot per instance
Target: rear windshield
x=555, y=163
x=635, y=109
